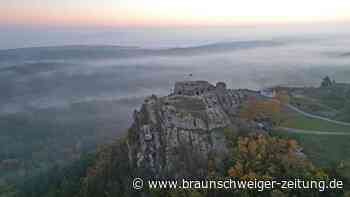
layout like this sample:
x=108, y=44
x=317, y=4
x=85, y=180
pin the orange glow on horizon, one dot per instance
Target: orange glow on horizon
x=169, y=13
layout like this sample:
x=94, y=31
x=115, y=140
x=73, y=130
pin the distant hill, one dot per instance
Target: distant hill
x=219, y=47
x=106, y=51
x=346, y=54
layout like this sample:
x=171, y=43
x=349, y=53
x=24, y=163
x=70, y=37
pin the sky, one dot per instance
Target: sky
x=170, y=12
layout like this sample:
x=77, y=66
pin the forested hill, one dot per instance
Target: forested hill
x=105, y=51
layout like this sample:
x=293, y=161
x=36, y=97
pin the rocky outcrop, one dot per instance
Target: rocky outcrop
x=176, y=135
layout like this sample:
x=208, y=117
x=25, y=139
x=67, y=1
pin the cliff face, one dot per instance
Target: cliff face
x=176, y=135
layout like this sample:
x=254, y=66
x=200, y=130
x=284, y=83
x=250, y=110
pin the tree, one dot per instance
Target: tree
x=8, y=191
x=282, y=96
x=264, y=110
x=326, y=82
x=263, y=157
x=343, y=171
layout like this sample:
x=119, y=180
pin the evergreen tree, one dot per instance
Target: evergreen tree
x=326, y=82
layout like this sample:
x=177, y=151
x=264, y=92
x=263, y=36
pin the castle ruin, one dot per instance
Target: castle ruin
x=193, y=88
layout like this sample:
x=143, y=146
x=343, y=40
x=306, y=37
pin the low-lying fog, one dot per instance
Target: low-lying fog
x=82, y=96
x=54, y=82
x=55, y=99
x=37, y=78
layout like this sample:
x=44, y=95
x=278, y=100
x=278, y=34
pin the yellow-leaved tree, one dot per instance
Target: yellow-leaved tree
x=262, y=157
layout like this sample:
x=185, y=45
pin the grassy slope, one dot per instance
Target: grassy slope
x=333, y=99
x=299, y=121
x=325, y=151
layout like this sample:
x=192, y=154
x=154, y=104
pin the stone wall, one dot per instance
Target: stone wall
x=192, y=88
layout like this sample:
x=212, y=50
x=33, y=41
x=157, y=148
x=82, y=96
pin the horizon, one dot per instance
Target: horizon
x=12, y=36
x=165, y=24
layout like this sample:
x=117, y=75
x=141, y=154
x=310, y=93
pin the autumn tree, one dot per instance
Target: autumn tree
x=262, y=157
x=263, y=110
x=282, y=96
